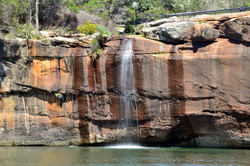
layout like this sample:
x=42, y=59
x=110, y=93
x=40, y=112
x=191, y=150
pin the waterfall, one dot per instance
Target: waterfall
x=128, y=124
x=128, y=110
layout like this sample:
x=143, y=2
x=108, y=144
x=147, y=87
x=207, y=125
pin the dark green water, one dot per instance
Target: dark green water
x=95, y=156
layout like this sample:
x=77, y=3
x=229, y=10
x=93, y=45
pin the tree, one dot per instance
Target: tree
x=72, y=6
x=37, y=17
x=30, y=11
x=200, y=5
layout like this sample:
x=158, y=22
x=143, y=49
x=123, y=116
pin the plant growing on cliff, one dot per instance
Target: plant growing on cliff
x=96, y=49
x=24, y=31
x=129, y=28
x=103, y=30
x=88, y=28
x=201, y=21
x=59, y=95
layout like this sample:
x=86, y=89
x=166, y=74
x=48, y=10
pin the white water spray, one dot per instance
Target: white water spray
x=128, y=110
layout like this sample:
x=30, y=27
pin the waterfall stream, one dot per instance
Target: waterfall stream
x=128, y=110
x=128, y=123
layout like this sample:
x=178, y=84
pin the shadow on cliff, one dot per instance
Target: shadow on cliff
x=8, y=48
x=176, y=85
x=190, y=128
x=247, y=44
x=8, y=54
x=198, y=45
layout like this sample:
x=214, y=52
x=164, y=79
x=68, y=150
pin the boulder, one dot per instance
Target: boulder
x=204, y=32
x=181, y=32
x=234, y=26
x=169, y=32
x=237, y=29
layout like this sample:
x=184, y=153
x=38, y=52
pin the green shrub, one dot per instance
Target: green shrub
x=104, y=14
x=201, y=21
x=129, y=28
x=96, y=47
x=24, y=31
x=94, y=42
x=72, y=6
x=103, y=30
x=88, y=28
x=59, y=95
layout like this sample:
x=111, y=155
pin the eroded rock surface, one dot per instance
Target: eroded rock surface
x=203, y=28
x=189, y=94
x=237, y=29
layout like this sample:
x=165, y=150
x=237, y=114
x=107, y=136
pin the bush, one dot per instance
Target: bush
x=201, y=21
x=72, y=6
x=88, y=28
x=129, y=28
x=59, y=95
x=103, y=30
x=24, y=31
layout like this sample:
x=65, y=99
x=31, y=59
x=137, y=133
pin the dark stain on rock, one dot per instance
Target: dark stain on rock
x=176, y=84
x=112, y=66
x=78, y=73
x=138, y=82
x=82, y=102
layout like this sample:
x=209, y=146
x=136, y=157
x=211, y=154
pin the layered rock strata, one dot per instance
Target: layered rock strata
x=201, y=28
x=191, y=94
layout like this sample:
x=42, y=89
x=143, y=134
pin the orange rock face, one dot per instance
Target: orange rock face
x=192, y=94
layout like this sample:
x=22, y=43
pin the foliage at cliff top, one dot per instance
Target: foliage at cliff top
x=16, y=13
x=88, y=28
x=152, y=8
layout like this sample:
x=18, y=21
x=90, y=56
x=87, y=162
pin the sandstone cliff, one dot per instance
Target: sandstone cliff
x=189, y=94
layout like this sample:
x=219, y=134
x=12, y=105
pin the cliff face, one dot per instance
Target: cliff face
x=192, y=94
x=31, y=114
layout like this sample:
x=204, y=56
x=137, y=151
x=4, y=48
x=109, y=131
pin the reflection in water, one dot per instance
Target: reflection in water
x=95, y=156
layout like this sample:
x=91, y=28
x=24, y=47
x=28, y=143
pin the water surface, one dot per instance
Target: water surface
x=101, y=156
